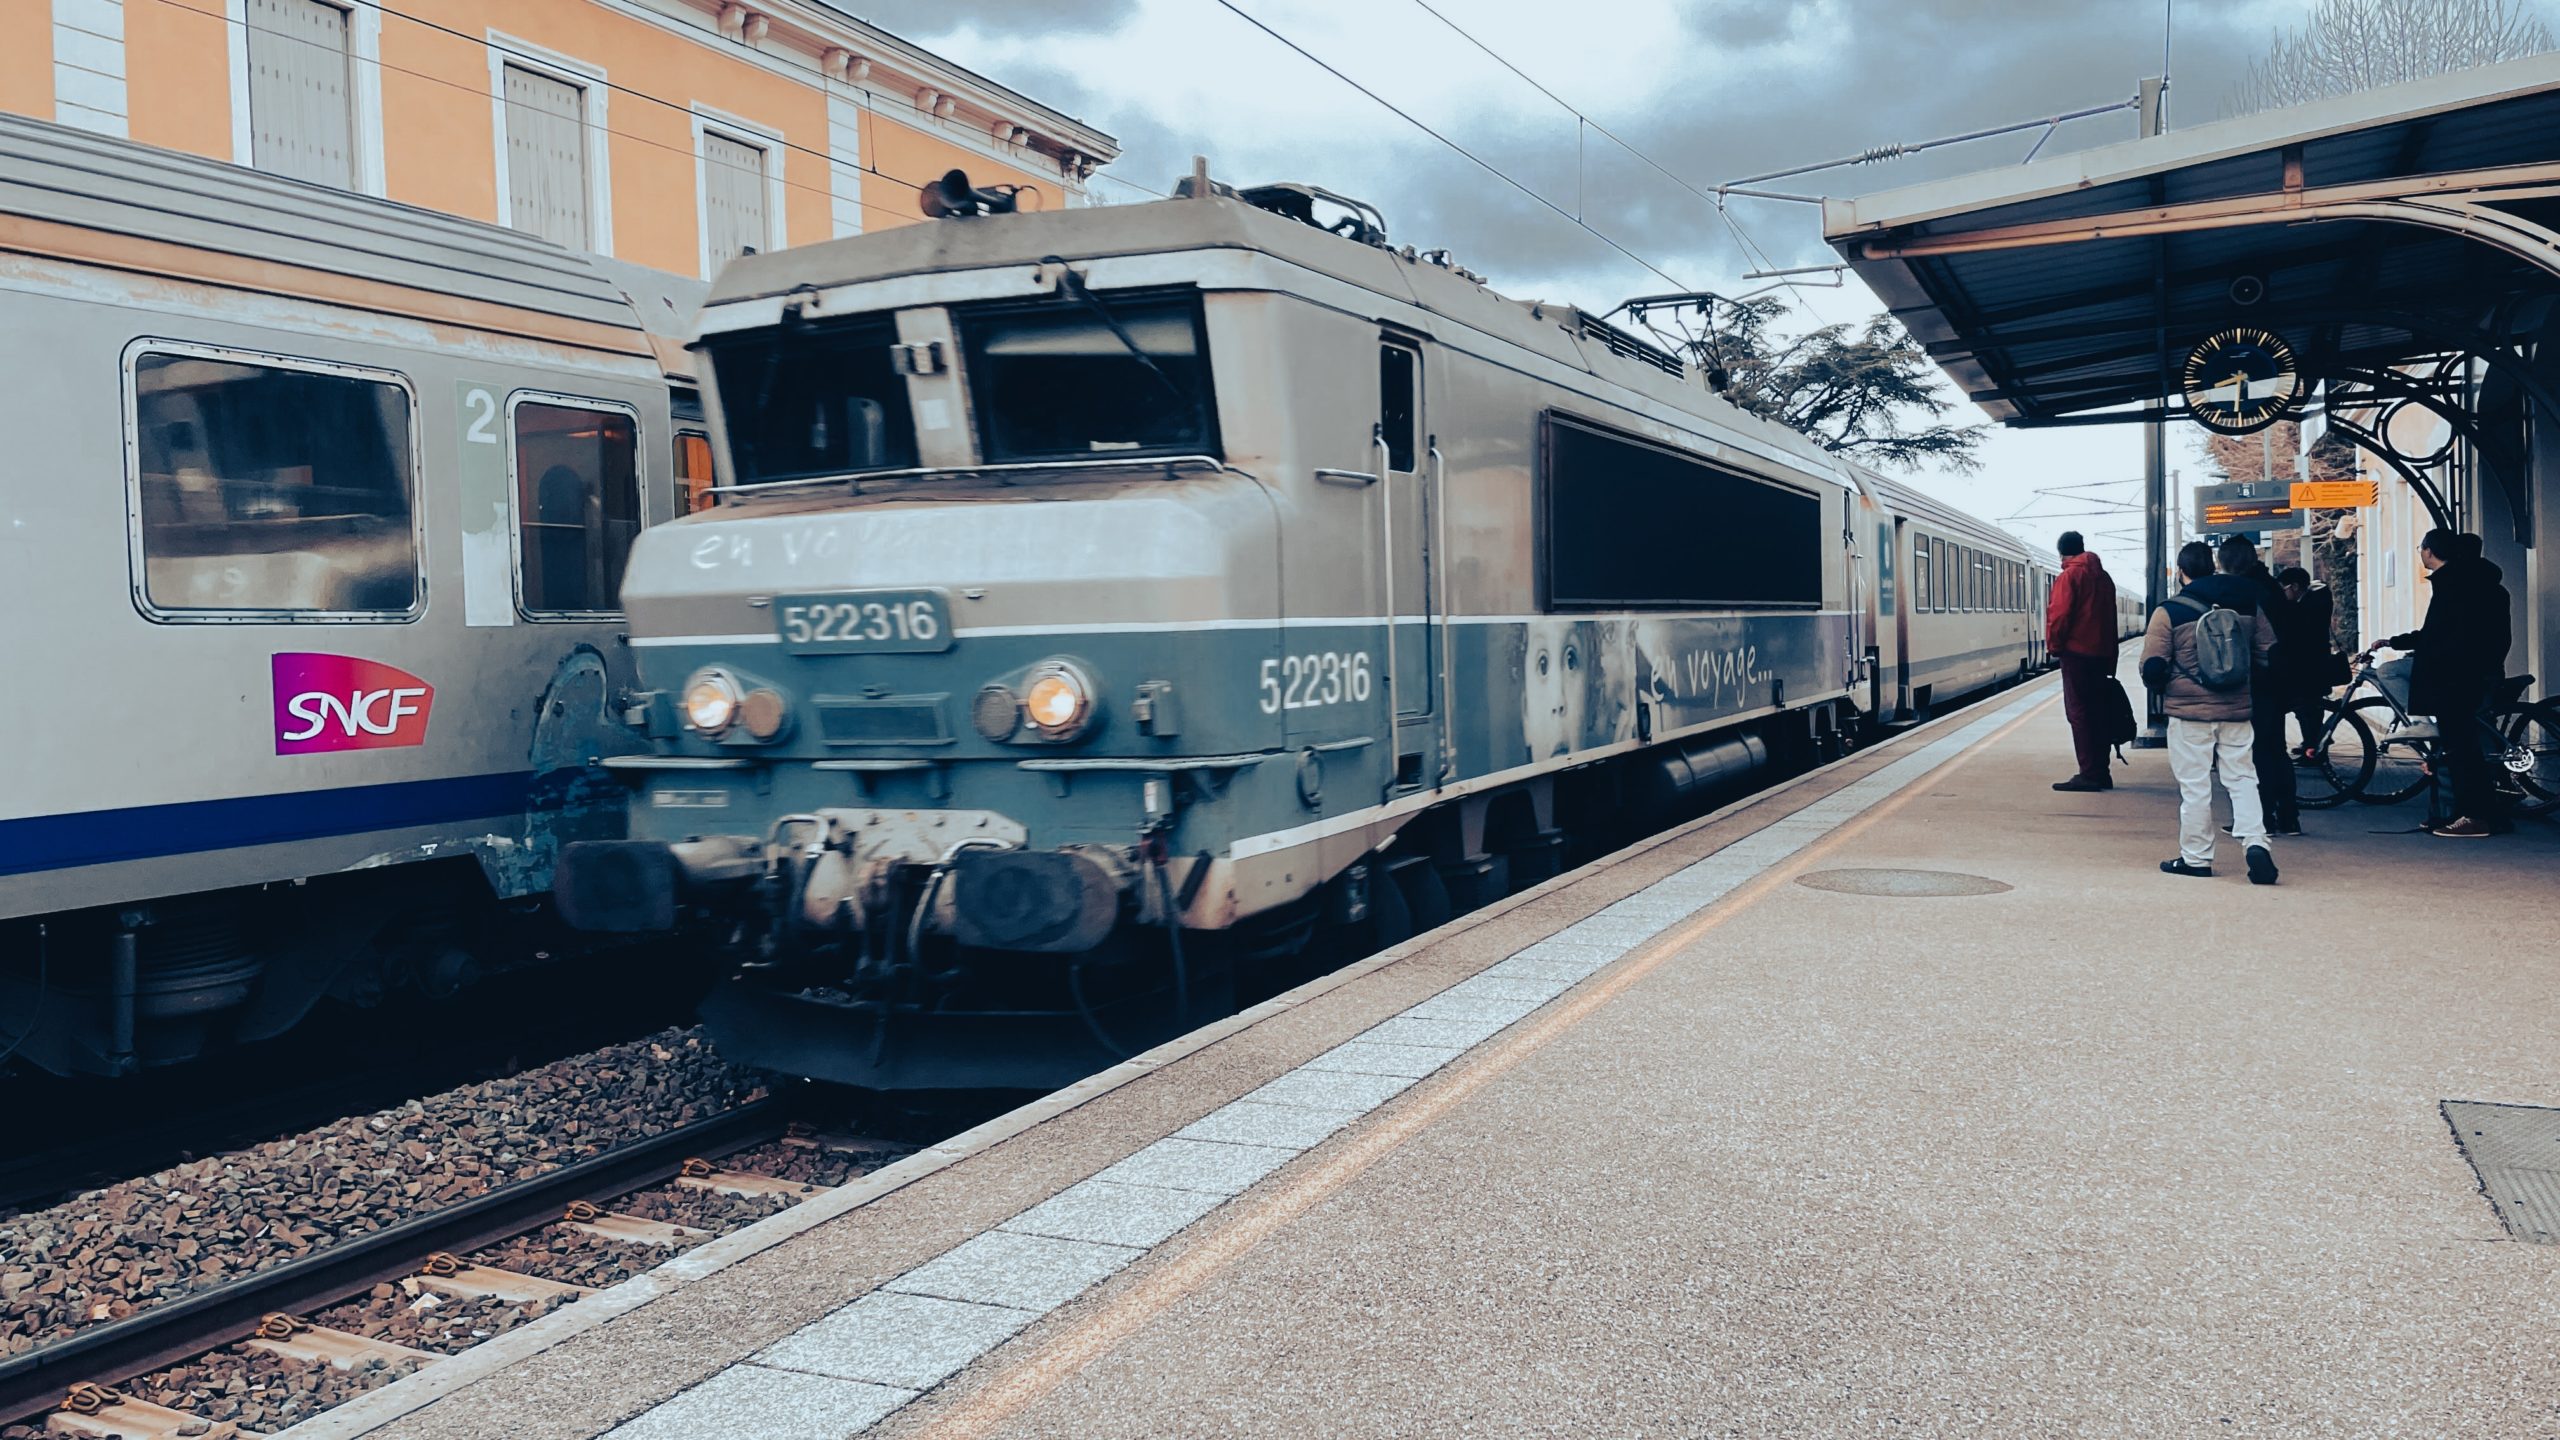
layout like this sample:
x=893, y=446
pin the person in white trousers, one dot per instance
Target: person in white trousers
x=2209, y=729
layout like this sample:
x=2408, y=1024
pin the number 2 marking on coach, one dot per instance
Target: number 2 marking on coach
x=484, y=407
x=1311, y=682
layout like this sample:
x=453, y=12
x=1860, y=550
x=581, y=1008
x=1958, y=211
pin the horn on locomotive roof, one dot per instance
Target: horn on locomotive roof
x=952, y=198
x=1298, y=202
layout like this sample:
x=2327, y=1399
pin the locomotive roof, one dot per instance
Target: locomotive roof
x=1024, y=241
x=158, y=204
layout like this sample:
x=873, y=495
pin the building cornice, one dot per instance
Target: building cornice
x=829, y=48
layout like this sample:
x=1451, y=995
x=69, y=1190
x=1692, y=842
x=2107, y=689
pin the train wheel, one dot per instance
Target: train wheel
x=1425, y=896
x=1390, y=918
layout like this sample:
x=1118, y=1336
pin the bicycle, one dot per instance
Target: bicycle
x=2363, y=748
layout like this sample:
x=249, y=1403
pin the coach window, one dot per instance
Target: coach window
x=265, y=486
x=1920, y=574
x=577, y=487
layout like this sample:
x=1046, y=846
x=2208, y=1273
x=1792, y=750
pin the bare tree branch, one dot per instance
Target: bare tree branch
x=2352, y=45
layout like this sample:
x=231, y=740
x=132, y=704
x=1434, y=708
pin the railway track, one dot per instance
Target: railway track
x=93, y=1382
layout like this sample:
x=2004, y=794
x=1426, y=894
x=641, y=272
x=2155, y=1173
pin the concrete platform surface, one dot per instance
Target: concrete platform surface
x=1689, y=1148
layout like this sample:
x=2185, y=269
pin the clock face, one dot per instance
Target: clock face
x=2241, y=381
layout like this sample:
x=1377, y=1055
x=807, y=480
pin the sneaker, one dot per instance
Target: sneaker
x=2262, y=865
x=2079, y=784
x=2465, y=829
x=2412, y=730
x=2180, y=866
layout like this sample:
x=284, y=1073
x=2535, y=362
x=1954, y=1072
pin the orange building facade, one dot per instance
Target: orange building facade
x=669, y=133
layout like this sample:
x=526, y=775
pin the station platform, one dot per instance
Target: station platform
x=1909, y=1097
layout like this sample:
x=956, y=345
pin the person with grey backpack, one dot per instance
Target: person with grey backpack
x=2198, y=653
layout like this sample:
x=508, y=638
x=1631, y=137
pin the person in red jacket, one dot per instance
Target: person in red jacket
x=2080, y=635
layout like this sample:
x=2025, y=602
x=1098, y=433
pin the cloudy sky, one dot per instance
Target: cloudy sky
x=1713, y=90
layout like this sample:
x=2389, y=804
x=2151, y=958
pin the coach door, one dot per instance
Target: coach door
x=1912, y=595
x=1410, y=505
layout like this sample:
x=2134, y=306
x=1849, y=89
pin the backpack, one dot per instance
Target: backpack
x=2222, y=646
x=2115, y=713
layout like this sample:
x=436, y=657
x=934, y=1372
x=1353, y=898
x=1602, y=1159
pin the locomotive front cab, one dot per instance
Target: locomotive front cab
x=918, y=737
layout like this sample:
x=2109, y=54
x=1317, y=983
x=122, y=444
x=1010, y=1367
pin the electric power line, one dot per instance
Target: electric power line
x=1479, y=161
x=1751, y=251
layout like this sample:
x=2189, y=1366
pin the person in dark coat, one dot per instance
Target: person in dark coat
x=2305, y=663
x=2269, y=695
x=2080, y=635
x=2461, y=652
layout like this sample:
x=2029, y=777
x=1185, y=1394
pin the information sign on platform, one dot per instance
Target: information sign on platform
x=2336, y=494
x=2244, y=508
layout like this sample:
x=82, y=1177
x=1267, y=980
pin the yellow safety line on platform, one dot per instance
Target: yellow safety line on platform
x=1094, y=1336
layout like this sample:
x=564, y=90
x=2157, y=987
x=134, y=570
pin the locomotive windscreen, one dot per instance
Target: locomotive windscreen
x=1632, y=525
x=825, y=400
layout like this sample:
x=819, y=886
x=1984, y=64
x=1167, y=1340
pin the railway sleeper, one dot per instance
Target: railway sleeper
x=298, y=1339
x=703, y=1175
x=451, y=1275
x=588, y=1218
x=99, y=1413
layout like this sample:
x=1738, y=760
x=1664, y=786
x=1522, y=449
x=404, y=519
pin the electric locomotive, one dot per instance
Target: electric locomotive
x=1104, y=604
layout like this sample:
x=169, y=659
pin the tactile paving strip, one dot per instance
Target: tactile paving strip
x=2515, y=1150
x=1902, y=884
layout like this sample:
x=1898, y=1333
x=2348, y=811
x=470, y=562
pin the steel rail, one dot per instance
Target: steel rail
x=175, y=1330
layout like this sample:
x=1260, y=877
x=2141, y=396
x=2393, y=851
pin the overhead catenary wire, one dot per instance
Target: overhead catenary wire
x=1583, y=121
x=1479, y=161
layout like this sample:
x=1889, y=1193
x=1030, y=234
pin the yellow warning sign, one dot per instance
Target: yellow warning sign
x=2336, y=494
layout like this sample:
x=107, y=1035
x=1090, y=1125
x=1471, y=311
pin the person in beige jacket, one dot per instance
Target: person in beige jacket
x=2209, y=728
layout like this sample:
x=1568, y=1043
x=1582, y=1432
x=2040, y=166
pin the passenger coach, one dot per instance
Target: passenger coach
x=311, y=551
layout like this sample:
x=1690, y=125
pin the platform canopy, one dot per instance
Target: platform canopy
x=2407, y=221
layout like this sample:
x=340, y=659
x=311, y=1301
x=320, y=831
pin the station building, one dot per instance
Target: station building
x=673, y=134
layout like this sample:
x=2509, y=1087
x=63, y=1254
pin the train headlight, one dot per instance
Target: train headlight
x=1058, y=701
x=997, y=712
x=765, y=714
x=710, y=703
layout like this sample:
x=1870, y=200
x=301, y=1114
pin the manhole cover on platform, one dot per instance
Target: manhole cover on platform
x=2515, y=1150
x=1902, y=884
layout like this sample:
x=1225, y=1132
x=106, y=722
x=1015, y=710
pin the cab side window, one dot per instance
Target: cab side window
x=693, y=472
x=577, y=480
x=265, y=485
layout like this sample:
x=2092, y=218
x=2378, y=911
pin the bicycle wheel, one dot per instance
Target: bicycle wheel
x=2531, y=761
x=2399, y=766
x=2345, y=750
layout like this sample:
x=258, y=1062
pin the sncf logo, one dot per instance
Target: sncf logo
x=338, y=702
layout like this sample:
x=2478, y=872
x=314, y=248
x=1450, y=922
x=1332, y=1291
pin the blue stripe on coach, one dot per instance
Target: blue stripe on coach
x=100, y=837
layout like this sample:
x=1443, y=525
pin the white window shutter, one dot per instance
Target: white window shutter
x=301, y=100
x=733, y=199
x=547, y=158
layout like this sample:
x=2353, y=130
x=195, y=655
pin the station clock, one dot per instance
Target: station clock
x=2241, y=381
